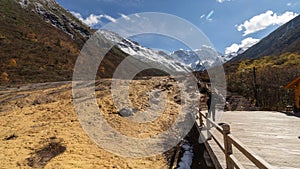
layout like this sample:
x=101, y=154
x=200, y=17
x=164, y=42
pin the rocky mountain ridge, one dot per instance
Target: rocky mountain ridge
x=285, y=39
x=181, y=60
x=52, y=13
x=200, y=59
x=144, y=54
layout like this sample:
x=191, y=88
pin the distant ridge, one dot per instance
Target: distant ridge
x=284, y=39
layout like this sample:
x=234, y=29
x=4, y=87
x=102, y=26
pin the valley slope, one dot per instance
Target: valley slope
x=260, y=72
x=40, y=42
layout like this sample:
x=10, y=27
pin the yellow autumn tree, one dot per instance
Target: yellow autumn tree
x=102, y=69
x=12, y=63
x=4, y=77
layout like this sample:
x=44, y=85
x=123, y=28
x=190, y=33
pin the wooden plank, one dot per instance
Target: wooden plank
x=266, y=137
x=271, y=135
x=236, y=162
x=212, y=155
x=257, y=160
x=292, y=84
x=218, y=153
x=218, y=142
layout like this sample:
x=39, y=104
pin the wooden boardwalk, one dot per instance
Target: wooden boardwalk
x=274, y=136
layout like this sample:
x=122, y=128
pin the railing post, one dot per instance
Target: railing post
x=200, y=118
x=208, y=126
x=227, y=146
x=206, y=117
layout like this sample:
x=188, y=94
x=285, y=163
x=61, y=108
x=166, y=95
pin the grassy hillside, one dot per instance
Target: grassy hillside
x=33, y=50
x=276, y=60
x=267, y=87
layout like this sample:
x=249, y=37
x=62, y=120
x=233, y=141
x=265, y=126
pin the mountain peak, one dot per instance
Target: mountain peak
x=199, y=59
x=143, y=54
x=26, y=3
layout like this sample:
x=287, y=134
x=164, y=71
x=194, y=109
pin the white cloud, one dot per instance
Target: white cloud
x=125, y=16
x=221, y=1
x=77, y=15
x=246, y=43
x=289, y=4
x=93, y=19
x=264, y=20
x=209, y=15
x=109, y=18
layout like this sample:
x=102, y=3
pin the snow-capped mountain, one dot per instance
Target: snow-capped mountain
x=144, y=54
x=200, y=59
x=205, y=57
x=182, y=60
x=227, y=57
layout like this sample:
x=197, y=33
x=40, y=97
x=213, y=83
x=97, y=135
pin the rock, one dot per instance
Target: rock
x=126, y=112
x=36, y=102
x=154, y=97
x=168, y=86
x=177, y=99
x=11, y=137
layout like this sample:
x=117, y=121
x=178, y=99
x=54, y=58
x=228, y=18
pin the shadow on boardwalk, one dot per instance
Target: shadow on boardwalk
x=290, y=113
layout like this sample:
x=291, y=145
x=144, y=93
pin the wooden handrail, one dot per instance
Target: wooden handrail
x=218, y=143
x=229, y=141
x=258, y=161
x=214, y=124
x=213, y=157
x=236, y=162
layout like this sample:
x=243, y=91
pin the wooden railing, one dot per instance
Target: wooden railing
x=228, y=141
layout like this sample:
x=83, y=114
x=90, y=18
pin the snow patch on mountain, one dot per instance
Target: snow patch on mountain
x=24, y=3
x=52, y=13
x=144, y=54
x=182, y=60
x=229, y=56
x=237, y=49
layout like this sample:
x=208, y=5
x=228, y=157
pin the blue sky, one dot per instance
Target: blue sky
x=229, y=24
